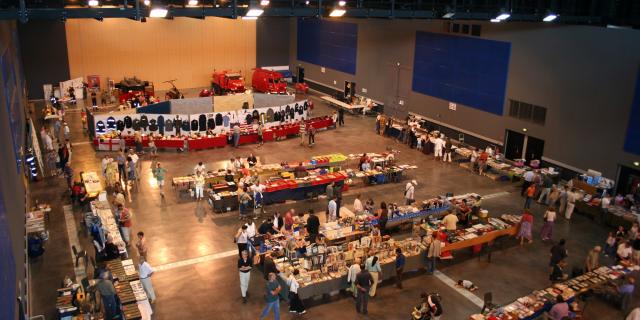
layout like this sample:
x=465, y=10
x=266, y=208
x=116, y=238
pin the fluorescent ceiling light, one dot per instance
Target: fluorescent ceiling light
x=495, y=20
x=264, y=2
x=158, y=13
x=254, y=12
x=193, y=2
x=550, y=17
x=337, y=13
x=306, y=2
x=249, y=18
x=342, y=3
x=448, y=15
x=503, y=16
x=147, y=2
x=94, y=3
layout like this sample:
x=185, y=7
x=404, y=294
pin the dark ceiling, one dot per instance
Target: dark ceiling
x=595, y=12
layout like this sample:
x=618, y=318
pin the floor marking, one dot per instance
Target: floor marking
x=496, y=195
x=193, y=261
x=72, y=232
x=81, y=143
x=464, y=292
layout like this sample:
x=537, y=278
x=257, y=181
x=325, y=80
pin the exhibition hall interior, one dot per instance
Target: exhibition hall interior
x=319, y=159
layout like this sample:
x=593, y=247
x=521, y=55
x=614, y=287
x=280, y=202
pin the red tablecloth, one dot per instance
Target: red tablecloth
x=207, y=143
x=169, y=143
x=321, y=123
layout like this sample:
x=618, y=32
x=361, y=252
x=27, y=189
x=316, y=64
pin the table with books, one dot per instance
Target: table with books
x=92, y=184
x=133, y=299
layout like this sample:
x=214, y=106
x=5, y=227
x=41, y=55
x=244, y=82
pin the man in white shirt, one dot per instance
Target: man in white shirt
x=528, y=179
x=438, y=147
x=357, y=205
x=48, y=142
x=332, y=207
x=295, y=304
x=199, y=168
x=135, y=158
x=572, y=196
x=409, y=191
x=146, y=271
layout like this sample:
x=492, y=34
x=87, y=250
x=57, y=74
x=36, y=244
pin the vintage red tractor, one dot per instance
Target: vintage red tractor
x=224, y=82
x=267, y=81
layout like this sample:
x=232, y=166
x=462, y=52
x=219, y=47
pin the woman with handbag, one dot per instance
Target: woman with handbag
x=295, y=304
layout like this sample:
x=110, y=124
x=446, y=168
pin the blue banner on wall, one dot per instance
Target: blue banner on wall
x=7, y=267
x=329, y=44
x=469, y=71
x=632, y=140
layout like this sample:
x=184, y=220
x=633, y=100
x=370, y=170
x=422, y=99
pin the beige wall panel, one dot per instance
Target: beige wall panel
x=159, y=50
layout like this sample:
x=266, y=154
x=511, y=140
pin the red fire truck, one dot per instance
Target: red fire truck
x=268, y=81
x=224, y=82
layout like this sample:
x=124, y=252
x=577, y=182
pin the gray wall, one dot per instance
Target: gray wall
x=12, y=185
x=43, y=48
x=272, y=42
x=583, y=75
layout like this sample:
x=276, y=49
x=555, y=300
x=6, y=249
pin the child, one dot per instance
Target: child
x=467, y=285
x=610, y=245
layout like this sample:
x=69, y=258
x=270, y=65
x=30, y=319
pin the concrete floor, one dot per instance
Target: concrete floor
x=179, y=230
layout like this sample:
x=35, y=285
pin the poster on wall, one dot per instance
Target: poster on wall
x=77, y=86
x=93, y=82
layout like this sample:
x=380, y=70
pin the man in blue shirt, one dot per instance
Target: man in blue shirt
x=400, y=261
x=272, y=297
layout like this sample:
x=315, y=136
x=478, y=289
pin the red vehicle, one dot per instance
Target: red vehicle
x=268, y=81
x=131, y=87
x=224, y=82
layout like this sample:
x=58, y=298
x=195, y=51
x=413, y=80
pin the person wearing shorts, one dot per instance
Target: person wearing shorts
x=160, y=172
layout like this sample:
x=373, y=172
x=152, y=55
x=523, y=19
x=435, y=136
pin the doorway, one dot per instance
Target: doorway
x=300, y=74
x=349, y=90
x=514, y=145
x=521, y=146
x=628, y=181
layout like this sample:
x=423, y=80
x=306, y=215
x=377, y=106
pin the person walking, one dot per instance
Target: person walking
x=363, y=282
x=131, y=171
x=409, y=192
x=241, y=239
x=244, y=269
x=549, y=219
x=302, y=132
x=313, y=226
x=272, y=298
x=124, y=220
x=146, y=272
x=527, y=178
x=547, y=183
x=122, y=160
x=572, y=196
x=352, y=273
x=558, y=253
x=159, y=172
x=378, y=117
x=199, y=186
x=260, y=134
x=332, y=208
x=531, y=193
x=68, y=175
x=400, y=262
x=108, y=294
x=372, y=265
x=433, y=252
x=564, y=193
x=311, y=130
x=236, y=135
x=526, y=224
x=141, y=245
x=341, y=117
x=295, y=304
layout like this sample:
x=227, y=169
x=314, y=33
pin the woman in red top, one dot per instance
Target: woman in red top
x=526, y=223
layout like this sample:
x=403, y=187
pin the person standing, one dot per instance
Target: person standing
x=329, y=193
x=564, y=193
x=122, y=160
x=527, y=178
x=242, y=239
x=438, y=147
x=352, y=273
x=549, y=219
x=141, y=245
x=378, y=117
x=68, y=175
x=341, y=117
x=312, y=134
x=400, y=262
x=337, y=192
x=433, y=252
x=332, y=208
x=558, y=253
x=159, y=172
x=199, y=186
x=272, y=297
x=199, y=168
x=526, y=224
x=131, y=171
x=373, y=266
x=236, y=135
x=244, y=269
x=152, y=146
x=334, y=119
x=260, y=135
x=357, y=205
x=409, y=192
x=146, y=272
x=592, y=261
x=313, y=226
x=302, y=132
x=448, y=149
x=547, y=183
x=530, y=193
x=295, y=304
x=108, y=294
x=572, y=196
x=363, y=282
x=124, y=219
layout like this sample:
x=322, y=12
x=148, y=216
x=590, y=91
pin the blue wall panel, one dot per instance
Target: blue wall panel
x=7, y=267
x=632, y=141
x=329, y=44
x=469, y=71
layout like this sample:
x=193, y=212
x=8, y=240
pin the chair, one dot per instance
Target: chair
x=488, y=302
x=79, y=254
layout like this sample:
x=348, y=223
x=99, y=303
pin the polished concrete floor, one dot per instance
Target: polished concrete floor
x=191, y=246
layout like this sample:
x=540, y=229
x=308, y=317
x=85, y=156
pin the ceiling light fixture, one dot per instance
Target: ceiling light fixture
x=337, y=13
x=448, y=15
x=306, y=2
x=254, y=12
x=249, y=18
x=637, y=164
x=193, y=2
x=158, y=13
x=264, y=2
x=342, y=3
x=495, y=20
x=503, y=16
x=94, y=3
x=147, y=2
x=550, y=17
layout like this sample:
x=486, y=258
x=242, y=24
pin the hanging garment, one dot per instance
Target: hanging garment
x=168, y=125
x=263, y=118
x=255, y=114
x=111, y=123
x=211, y=123
x=225, y=120
x=136, y=124
x=270, y=115
x=144, y=122
x=161, y=124
x=218, y=119
x=249, y=119
x=153, y=125
x=185, y=126
x=128, y=122
x=306, y=105
x=202, y=122
x=120, y=125
x=100, y=127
